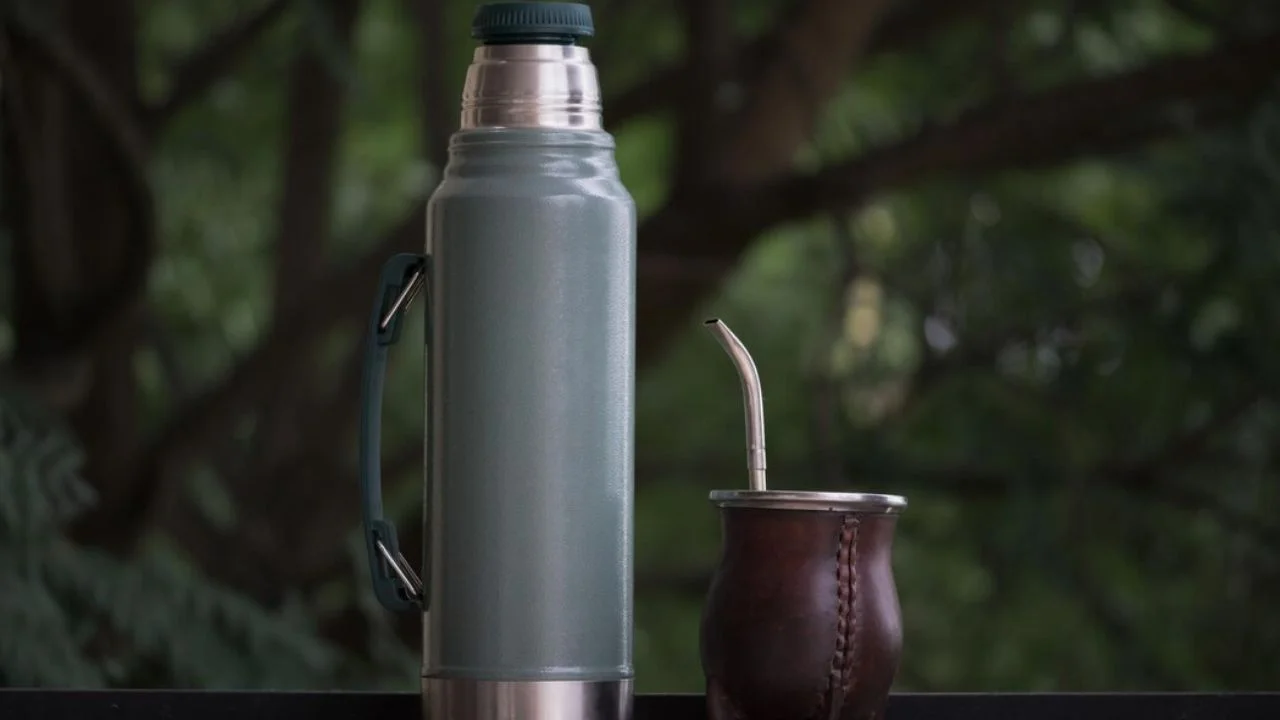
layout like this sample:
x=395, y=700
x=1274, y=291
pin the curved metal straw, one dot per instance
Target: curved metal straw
x=752, y=399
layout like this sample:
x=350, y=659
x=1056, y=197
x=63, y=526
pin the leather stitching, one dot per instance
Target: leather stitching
x=844, y=659
x=853, y=652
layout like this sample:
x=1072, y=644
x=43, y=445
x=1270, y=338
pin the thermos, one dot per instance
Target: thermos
x=529, y=282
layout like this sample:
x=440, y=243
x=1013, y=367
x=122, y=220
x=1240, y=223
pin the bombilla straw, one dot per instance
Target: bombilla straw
x=752, y=398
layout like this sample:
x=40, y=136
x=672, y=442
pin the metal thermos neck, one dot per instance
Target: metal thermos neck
x=531, y=86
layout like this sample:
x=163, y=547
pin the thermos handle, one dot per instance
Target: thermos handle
x=395, y=583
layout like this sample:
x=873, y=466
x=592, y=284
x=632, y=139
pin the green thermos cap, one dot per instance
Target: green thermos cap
x=545, y=23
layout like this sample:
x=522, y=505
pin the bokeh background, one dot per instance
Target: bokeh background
x=1018, y=260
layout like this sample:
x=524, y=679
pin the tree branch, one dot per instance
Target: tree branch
x=709, y=34
x=1042, y=129
x=95, y=314
x=903, y=29
x=314, y=116
x=166, y=351
x=913, y=23
x=42, y=244
x=805, y=68
x=1196, y=13
x=82, y=78
x=826, y=407
x=303, y=433
x=282, y=551
x=964, y=144
x=812, y=58
x=303, y=428
x=198, y=72
x=1090, y=116
x=339, y=294
x=1117, y=621
x=438, y=119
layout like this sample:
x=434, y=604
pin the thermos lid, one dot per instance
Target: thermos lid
x=541, y=23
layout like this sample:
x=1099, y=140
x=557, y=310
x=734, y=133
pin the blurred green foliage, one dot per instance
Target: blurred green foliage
x=60, y=598
x=1067, y=372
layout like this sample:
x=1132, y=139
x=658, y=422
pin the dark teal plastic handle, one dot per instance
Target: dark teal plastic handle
x=395, y=584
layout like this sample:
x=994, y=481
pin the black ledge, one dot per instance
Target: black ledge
x=215, y=705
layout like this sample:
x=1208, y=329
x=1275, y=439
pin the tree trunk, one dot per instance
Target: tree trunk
x=78, y=236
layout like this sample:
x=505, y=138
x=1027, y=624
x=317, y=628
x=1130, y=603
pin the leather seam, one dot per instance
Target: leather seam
x=853, y=650
x=840, y=668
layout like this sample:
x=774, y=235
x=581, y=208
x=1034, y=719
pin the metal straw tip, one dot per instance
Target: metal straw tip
x=753, y=399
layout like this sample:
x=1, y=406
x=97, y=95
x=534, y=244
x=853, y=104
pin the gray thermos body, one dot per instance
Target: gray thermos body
x=529, y=285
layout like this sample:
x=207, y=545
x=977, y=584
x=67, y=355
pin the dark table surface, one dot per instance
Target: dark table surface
x=212, y=705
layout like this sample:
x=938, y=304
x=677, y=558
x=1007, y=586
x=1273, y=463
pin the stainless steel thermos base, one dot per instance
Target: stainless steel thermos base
x=458, y=699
